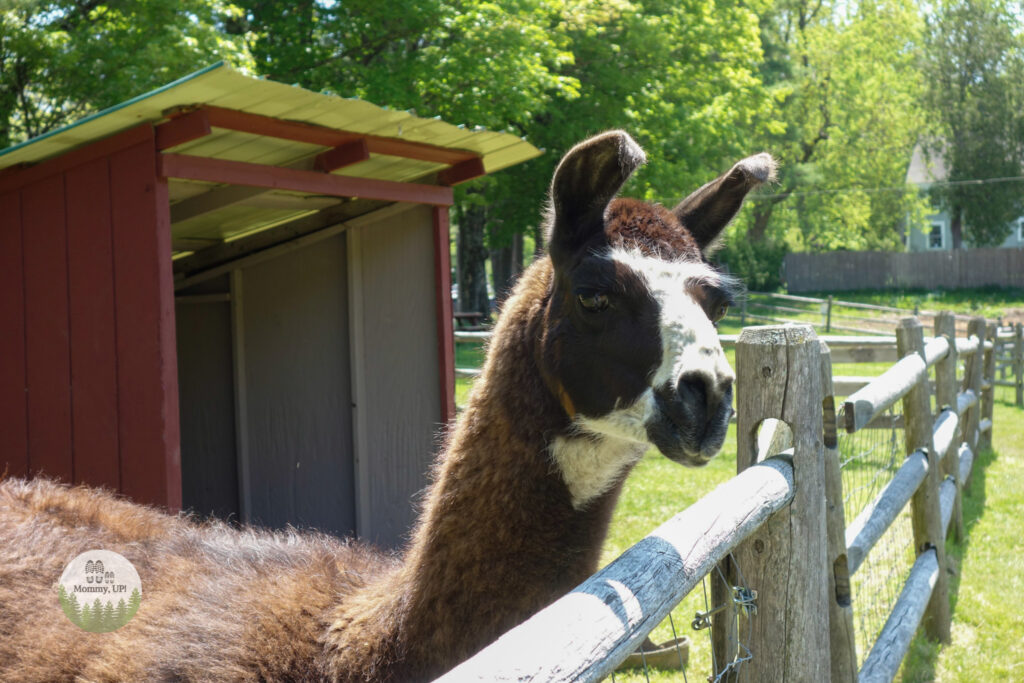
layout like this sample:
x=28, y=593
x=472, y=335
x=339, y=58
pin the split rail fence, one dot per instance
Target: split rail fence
x=830, y=315
x=780, y=526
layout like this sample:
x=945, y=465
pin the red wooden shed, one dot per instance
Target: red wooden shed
x=232, y=295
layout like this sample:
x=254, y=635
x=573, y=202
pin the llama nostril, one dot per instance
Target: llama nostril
x=701, y=390
x=693, y=390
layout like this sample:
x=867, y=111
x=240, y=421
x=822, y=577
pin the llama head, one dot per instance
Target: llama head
x=630, y=346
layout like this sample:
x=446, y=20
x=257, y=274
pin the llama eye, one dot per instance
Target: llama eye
x=593, y=301
x=720, y=312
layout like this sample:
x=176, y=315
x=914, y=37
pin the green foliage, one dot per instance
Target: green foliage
x=846, y=84
x=63, y=59
x=757, y=264
x=975, y=67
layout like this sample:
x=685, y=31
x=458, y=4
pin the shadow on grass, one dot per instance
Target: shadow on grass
x=922, y=658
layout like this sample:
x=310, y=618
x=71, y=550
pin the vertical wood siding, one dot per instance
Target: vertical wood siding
x=47, y=329
x=295, y=330
x=13, y=406
x=93, y=350
x=88, y=388
x=398, y=324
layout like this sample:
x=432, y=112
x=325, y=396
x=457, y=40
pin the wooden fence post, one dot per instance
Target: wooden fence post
x=926, y=514
x=842, y=637
x=946, y=390
x=989, y=379
x=1018, y=363
x=785, y=561
x=973, y=370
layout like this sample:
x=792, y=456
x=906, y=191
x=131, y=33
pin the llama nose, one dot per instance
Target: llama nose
x=704, y=391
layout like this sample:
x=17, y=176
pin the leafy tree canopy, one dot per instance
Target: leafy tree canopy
x=63, y=59
x=975, y=68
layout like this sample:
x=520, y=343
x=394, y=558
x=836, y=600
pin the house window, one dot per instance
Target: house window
x=1020, y=230
x=935, y=237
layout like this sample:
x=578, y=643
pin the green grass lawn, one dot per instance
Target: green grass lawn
x=988, y=568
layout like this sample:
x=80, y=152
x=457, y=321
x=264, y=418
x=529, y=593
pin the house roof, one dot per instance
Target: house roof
x=252, y=121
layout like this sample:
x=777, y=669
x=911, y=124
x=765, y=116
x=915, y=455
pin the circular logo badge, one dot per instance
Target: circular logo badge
x=100, y=591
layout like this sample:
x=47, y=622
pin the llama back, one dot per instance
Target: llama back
x=219, y=604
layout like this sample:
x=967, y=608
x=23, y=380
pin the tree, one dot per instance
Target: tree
x=86, y=620
x=975, y=67
x=107, y=623
x=847, y=86
x=69, y=603
x=681, y=77
x=134, y=600
x=63, y=59
x=121, y=615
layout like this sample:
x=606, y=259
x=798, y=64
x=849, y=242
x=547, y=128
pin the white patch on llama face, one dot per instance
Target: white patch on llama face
x=689, y=339
x=594, y=461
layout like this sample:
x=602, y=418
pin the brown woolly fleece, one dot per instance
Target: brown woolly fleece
x=498, y=539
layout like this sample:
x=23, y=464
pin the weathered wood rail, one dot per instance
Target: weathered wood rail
x=780, y=522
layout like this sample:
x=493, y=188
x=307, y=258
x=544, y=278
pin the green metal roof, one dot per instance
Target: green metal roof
x=222, y=86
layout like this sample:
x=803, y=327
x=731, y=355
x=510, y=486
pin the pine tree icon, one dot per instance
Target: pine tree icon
x=134, y=600
x=121, y=613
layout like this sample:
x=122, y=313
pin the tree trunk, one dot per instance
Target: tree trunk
x=471, y=261
x=762, y=214
x=506, y=265
x=956, y=227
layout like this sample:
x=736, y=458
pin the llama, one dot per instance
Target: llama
x=605, y=347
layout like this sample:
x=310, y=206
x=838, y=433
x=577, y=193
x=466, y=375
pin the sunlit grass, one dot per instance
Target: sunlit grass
x=988, y=569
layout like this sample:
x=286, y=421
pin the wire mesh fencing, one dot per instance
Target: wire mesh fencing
x=868, y=461
x=690, y=654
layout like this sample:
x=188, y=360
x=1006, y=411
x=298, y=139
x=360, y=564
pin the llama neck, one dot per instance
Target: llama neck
x=500, y=535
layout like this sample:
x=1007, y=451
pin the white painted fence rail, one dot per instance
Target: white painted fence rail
x=586, y=634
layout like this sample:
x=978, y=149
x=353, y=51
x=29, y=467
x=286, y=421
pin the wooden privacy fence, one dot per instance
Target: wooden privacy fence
x=956, y=269
x=779, y=526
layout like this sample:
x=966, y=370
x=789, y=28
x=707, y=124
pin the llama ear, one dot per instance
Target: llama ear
x=586, y=180
x=706, y=212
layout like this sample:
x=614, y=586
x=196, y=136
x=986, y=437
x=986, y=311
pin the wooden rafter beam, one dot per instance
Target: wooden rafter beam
x=343, y=155
x=185, y=128
x=212, y=201
x=462, y=171
x=313, y=182
x=232, y=119
x=191, y=243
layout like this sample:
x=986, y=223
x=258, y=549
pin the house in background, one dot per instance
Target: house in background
x=923, y=171
x=232, y=296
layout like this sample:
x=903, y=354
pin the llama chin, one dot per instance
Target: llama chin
x=606, y=347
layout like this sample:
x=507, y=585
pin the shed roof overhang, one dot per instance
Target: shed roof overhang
x=243, y=155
